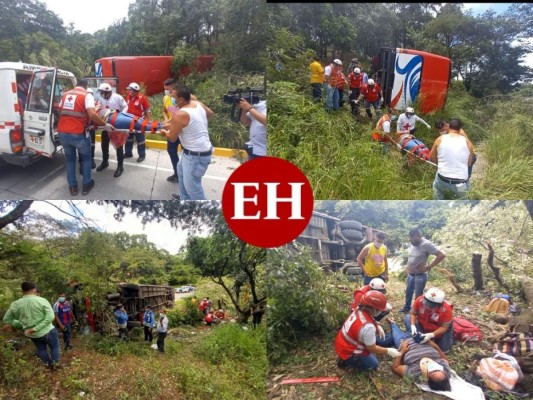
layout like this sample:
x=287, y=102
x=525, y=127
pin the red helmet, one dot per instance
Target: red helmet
x=374, y=299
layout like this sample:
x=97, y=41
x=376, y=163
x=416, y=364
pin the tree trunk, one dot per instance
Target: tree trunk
x=527, y=290
x=495, y=269
x=477, y=271
x=16, y=213
x=529, y=206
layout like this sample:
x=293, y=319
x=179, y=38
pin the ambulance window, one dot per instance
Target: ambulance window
x=41, y=91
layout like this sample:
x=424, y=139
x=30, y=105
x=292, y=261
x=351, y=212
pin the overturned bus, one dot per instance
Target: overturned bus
x=336, y=244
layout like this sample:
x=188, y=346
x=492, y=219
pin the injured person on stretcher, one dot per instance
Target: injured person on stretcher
x=124, y=124
x=403, y=140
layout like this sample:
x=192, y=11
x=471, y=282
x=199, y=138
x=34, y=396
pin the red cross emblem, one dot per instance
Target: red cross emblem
x=70, y=98
x=406, y=126
x=433, y=294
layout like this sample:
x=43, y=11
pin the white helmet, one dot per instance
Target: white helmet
x=105, y=87
x=357, y=70
x=134, y=86
x=433, y=297
x=377, y=284
x=337, y=61
x=371, y=82
x=410, y=110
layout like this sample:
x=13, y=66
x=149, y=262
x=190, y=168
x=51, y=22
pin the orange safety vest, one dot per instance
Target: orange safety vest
x=347, y=340
x=335, y=76
x=431, y=319
x=355, y=80
x=357, y=294
x=72, y=112
x=371, y=93
x=341, y=81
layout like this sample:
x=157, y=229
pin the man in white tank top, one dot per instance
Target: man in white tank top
x=454, y=154
x=189, y=123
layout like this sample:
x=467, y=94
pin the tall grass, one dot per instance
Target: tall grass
x=337, y=154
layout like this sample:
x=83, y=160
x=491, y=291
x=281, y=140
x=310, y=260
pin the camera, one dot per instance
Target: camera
x=233, y=97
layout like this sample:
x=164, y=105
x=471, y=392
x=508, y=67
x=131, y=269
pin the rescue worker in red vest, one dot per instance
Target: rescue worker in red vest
x=220, y=314
x=375, y=284
x=139, y=106
x=355, y=343
x=74, y=108
x=340, y=86
x=92, y=133
x=373, y=95
x=332, y=73
x=357, y=80
x=431, y=316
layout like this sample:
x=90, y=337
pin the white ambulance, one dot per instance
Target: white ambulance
x=29, y=107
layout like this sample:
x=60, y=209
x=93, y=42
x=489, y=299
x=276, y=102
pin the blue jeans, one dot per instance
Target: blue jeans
x=172, y=150
x=449, y=191
x=191, y=169
x=74, y=144
x=332, y=98
x=416, y=284
x=141, y=145
x=444, y=342
x=50, y=340
x=360, y=362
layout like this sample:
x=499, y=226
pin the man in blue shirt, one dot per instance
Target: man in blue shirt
x=121, y=316
x=64, y=318
x=148, y=322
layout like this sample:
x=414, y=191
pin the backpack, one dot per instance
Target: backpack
x=498, y=306
x=466, y=331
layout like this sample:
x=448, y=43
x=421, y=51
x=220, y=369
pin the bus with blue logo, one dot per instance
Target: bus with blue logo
x=407, y=76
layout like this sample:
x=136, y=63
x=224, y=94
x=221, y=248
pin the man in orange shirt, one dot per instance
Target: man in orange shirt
x=139, y=106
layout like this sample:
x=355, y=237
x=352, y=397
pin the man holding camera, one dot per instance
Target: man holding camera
x=255, y=117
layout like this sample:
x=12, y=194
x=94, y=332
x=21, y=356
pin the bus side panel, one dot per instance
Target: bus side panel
x=435, y=81
x=407, y=75
x=151, y=72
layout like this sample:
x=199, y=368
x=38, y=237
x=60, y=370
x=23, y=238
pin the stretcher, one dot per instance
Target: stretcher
x=407, y=143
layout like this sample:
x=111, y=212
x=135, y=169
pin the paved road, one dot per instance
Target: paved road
x=183, y=295
x=47, y=179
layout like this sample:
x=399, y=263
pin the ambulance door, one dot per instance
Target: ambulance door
x=39, y=118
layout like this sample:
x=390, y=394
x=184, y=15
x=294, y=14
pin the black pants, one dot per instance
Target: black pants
x=122, y=332
x=148, y=334
x=317, y=91
x=341, y=97
x=105, y=149
x=161, y=336
x=257, y=317
x=354, y=94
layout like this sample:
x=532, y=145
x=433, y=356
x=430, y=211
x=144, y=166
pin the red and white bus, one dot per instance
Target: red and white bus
x=407, y=76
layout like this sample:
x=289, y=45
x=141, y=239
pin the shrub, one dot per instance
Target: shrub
x=302, y=301
x=232, y=341
x=189, y=315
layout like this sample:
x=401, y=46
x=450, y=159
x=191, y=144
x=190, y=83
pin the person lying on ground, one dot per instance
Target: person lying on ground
x=421, y=361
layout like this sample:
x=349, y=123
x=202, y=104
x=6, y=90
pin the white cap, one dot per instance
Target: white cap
x=377, y=284
x=134, y=86
x=357, y=70
x=105, y=87
x=434, y=295
x=337, y=61
x=410, y=110
x=371, y=82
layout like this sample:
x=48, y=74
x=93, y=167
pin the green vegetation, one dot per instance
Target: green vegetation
x=304, y=320
x=221, y=361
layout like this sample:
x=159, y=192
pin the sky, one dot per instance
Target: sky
x=89, y=16
x=161, y=234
